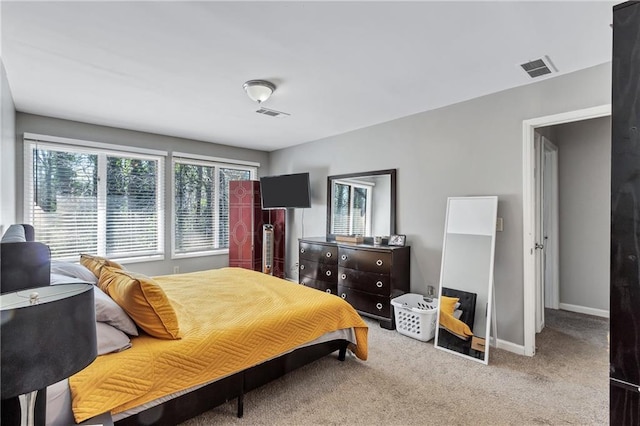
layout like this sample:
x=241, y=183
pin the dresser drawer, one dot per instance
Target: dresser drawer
x=365, y=260
x=318, y=271
x=367, y=302
x=325, y=286
x=318, y=252
x=364, y=281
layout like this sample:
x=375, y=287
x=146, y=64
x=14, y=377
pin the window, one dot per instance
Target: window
x=351, y=208
x=201, y=204
x=94, y=200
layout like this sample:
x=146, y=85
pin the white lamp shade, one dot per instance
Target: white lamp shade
x=259, y=90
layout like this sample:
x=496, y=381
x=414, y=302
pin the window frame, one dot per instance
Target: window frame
x=217, y=163
x=102, y=150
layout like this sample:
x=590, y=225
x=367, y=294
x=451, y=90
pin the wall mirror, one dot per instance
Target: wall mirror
x=362, y=204
x=466, y=274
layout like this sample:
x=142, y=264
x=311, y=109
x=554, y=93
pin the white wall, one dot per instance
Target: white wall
x=584, y=172
x=471, y=148
x=72, y=129
x=7, y=155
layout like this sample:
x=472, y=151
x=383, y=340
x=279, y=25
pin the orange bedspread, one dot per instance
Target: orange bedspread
x=230, y=319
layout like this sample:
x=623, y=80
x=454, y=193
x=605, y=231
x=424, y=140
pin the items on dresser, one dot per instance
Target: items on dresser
x=366, y=276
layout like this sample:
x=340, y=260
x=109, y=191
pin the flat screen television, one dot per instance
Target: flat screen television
x=285, y=191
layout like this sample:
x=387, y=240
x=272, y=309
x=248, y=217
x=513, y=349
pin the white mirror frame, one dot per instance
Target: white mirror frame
x=470, y=216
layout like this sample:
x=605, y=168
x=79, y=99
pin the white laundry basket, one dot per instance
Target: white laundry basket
x=415, y=316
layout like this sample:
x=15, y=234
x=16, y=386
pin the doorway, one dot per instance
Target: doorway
x=532, y=275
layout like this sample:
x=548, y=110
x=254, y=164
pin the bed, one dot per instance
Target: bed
x=220, y=334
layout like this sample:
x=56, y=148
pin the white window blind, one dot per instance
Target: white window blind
x=92, y=200
x=201, y=204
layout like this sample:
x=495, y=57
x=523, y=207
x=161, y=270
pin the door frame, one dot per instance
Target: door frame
x=529, y=210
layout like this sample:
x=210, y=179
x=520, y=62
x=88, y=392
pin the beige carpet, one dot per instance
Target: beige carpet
x=408, y=382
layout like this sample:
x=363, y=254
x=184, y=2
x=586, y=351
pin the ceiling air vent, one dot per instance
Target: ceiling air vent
x=272, y=113
x=539, y=67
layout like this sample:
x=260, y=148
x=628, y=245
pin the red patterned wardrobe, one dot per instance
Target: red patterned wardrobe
x=246, y=218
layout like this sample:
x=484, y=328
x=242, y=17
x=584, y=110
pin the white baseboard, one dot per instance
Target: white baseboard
x=584, y=310
x=511, y=347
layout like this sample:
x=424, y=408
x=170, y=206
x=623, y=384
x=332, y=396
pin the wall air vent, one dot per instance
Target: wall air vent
x=272, y=112
x=539, y=67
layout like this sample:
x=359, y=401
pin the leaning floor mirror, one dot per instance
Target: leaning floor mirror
x=466, y=277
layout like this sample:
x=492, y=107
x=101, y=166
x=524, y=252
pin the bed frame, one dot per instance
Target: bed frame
x=187, y=406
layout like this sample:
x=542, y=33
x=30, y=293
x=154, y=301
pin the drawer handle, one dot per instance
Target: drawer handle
x=343, y=257
x=328, y=273
x=301, y=267
x=343, y=276
x=344, y=296
x=379, y=284
x=301, y=250
x=379, y=306
x=328, y=254
x=379, y=262
x=328, y=290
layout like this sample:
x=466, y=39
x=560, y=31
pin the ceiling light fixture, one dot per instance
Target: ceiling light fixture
x=259, y=90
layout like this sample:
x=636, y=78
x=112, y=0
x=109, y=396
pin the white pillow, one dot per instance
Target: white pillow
x=111, y=313
x=107, y=310
x=110, y=339
x=63, y=279
x=15, y=234
x=74, y=270
x=59, y=404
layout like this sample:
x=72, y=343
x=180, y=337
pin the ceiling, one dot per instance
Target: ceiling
x=177, y=68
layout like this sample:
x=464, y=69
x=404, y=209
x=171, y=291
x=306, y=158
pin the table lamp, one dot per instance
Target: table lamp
x=46, y=334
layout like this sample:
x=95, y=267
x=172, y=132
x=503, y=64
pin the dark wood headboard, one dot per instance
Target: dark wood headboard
x=467, y=304
x=25, y=264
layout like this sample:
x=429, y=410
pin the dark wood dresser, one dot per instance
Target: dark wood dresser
x=365, y=275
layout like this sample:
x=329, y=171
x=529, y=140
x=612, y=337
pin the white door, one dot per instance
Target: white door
x=550, y=222
x=546, y=235
x=539, y=252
